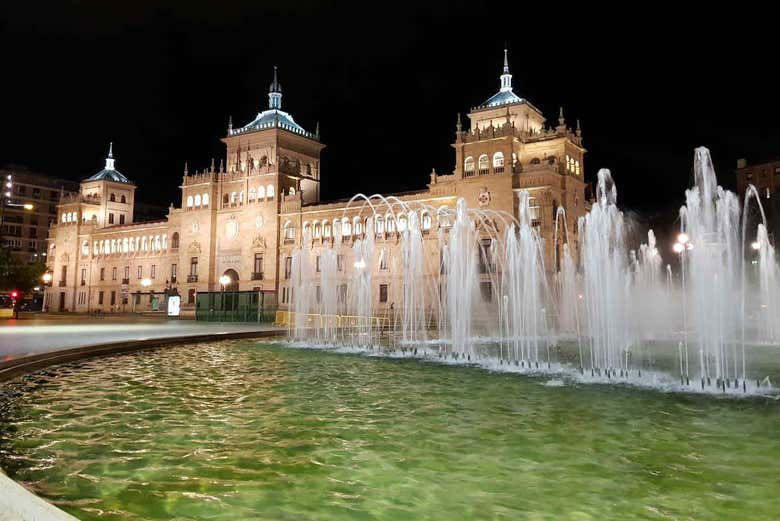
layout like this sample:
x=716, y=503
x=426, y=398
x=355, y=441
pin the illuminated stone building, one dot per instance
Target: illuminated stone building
x=244, y=217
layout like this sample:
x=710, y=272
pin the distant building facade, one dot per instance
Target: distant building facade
x=25, y=231
x=765, y=177
x=244, y=218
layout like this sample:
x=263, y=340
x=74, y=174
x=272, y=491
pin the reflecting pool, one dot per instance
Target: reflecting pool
x=247, y=430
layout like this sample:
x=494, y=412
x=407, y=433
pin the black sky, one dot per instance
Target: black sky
x=385, y=81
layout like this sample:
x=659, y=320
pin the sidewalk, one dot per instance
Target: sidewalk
x=40, y=333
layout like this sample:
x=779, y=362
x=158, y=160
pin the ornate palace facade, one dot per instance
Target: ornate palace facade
x=245, y=217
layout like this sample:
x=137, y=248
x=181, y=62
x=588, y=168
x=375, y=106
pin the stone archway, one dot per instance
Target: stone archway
x=233, y=285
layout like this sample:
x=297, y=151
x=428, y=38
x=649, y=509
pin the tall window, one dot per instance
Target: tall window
x=121, y=219
x=484, y=164
x=259, y=265
x=153, y=270
x=123, y=199
x=173, y=272
x=191, y=296
x=102, y=273
x=269, y=191
x=287, y=267
x=189, y=201
x=383, y=260
x=317, y=263
x=383, y=293
x=127, y=272
x=340, y=262
x=498, y=162
x=113, y=273
x=205, y=199
x=112, y=198
x=83, y=276
x=194, y=266
x=260, y=193
x=468, y=167
x=113, y=298
x=110, y=218
x=140, y=272
x=175, y=241
x=100, y=298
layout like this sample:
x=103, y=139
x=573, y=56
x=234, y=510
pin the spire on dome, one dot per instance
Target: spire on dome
x=275, y=93
x=506, y=77
x=110, y=158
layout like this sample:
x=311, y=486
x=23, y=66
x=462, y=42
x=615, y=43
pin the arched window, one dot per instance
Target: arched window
x=64, y=217
x=390, y=223
x=269, y=192
x=401, y=223
x=113, y=245
x=112, y=198
x=292, y=190
x=189, y=201
x=468, y=167
x=498, y=163
x=577, y=167
x=289, y=231
x=241, y=197
x=260, y=193
x=514, y=160
x=165, y=241
x=205, y=199
x=484, y=164
x=357, y=226
x=85, y=248
x=175, y=240
x=125, y=245
x=252, y=194
x=197, y=199
x=346, y=227
x=316, y=231
x=233, y=198
x=225, y=200
x=426, y=221
x=144, y=244
x=95, y=248
x=325, y=229
x=536, y=161
x=379, y=225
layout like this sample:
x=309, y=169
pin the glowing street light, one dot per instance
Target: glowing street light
x=683, y=238
x=47, y=278
x=225, y=280
x=678, y=247
x=361, y=264
x=146, y=283
x=755, y=245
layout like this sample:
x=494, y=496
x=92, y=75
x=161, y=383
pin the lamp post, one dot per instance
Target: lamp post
x=683, y=245
x=224, y=281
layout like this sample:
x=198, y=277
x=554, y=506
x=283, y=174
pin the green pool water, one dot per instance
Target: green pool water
x=244, y=430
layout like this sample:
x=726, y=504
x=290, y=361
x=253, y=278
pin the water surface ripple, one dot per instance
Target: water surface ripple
x=241, y=430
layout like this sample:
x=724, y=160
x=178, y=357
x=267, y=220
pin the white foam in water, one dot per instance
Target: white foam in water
x=469, y=286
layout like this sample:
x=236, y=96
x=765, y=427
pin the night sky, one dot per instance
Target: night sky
x=648, y=83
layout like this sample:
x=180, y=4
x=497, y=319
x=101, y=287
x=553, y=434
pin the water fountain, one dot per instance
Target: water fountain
x=478, y=290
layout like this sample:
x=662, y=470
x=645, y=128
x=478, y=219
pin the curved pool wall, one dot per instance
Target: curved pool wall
x=16, y=502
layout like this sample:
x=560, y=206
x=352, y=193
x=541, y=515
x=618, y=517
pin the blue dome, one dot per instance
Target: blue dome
x=109, y=175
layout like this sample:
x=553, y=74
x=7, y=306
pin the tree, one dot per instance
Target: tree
x=15, y=274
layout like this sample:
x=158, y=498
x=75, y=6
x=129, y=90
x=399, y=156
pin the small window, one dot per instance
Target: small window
x=270, y=191
x=468, y=166
x=197, y=199
x=260, y=193
x=383, y=293
x=205, y=199
x=102, y=273
x=175, y=240
x=121, y=219
x=110, y=218
x=112, y=198
x=123, y=199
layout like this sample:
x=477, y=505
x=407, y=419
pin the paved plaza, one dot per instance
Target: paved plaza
x=37, y=334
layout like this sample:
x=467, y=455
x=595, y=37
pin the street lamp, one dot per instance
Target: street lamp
x=755, y=245
x=682, y=245
x=146, y=283
x=47, y=278
x=224, y=280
